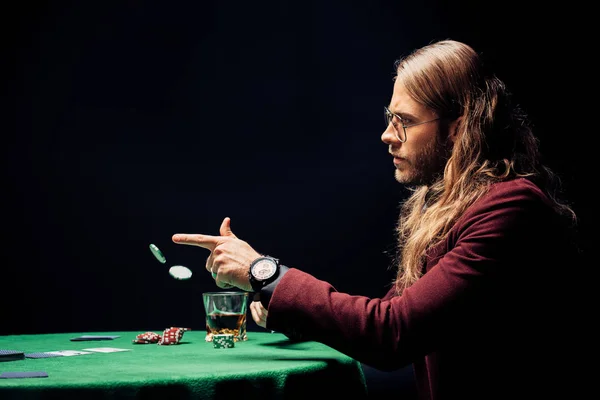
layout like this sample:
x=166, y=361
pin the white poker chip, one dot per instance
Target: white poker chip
x=157, y=253
x=180, y=272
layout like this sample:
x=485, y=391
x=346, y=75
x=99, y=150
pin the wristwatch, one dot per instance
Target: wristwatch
x=263, y=270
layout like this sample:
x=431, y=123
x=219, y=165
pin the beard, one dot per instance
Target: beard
x=425, y=167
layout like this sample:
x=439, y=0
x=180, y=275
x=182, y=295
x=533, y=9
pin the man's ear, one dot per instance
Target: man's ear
x=453, y=129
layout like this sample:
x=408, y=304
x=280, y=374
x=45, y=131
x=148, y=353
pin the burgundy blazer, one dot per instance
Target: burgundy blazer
x=489, y=319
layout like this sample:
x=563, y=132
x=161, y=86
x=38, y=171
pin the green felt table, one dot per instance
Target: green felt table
x=266, y=366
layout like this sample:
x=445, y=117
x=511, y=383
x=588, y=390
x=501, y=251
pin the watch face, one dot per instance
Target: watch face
x=263, y=270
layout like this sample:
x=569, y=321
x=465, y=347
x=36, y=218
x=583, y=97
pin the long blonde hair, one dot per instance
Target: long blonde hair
x=495, y=142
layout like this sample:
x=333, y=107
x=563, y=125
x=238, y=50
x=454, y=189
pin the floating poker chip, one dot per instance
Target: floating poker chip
x=157, y=253
x=180, y=272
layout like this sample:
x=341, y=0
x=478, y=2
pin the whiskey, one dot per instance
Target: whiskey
x=226, y=323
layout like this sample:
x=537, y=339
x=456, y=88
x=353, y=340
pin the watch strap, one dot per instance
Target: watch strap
x=267, y=291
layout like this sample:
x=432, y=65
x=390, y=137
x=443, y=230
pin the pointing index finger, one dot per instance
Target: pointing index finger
x=207, y=241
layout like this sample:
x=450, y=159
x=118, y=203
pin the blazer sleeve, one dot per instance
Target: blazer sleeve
x=390, y=332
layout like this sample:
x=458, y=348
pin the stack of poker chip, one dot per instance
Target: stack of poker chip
x=146, y=338
x=223, y=341
x=172, y=335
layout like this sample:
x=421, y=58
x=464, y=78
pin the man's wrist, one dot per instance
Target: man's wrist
x=266, y=292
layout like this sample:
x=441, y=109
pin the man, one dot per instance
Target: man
x=478, y=306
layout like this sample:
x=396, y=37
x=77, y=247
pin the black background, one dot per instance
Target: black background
x=128, y=121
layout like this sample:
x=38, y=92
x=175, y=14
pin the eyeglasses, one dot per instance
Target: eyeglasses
x=401, y=135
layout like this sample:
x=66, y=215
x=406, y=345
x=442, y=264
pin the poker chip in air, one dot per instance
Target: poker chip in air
x=180, y=272
x=157, y=253
x=177, y=271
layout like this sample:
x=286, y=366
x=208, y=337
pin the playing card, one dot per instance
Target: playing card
x=26, y=374
x=69, y=353
x=42, y=355
x=11, y=355
x=106, y=349
x=93, y=337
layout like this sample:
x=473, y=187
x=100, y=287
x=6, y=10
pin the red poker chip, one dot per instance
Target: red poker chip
x=146, y=338
x=170, y=336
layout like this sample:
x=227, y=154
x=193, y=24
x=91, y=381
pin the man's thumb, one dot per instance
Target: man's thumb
x=225, y=229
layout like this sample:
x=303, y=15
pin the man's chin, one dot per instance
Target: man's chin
x=404, y=178
x=410, y=180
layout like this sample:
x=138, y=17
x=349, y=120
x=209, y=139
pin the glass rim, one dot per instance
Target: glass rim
x=230, y=292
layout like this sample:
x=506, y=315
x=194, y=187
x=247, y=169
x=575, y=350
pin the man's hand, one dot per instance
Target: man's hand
x=229, y=259
x=259, y=313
